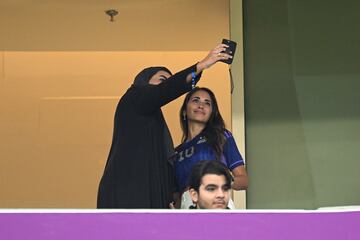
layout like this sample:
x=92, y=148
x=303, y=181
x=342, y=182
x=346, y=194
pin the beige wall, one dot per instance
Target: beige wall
x=57, y=116
x=237, y=98
x=141, y=25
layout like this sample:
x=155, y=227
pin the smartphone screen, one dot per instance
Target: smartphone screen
x=230, y=50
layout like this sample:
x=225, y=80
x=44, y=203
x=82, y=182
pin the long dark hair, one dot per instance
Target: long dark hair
x=215, y=127
x=200, y=169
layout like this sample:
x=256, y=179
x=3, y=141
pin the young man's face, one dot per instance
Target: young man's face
x=213, y=192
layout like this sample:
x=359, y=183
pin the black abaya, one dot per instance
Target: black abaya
x=137, y=173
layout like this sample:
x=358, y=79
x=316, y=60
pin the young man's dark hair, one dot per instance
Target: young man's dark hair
x=210, y=184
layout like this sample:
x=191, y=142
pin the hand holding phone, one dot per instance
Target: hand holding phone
x=230, y=50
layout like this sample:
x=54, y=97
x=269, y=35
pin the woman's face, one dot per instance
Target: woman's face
x=199, y=107
x=159, y=77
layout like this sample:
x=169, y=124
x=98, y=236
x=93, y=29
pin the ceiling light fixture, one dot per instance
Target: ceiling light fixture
x=111, y=13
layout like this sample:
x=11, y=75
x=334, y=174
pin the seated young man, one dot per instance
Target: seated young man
x=209, y=185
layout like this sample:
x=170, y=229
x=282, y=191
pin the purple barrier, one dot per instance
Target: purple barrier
x=177, y=225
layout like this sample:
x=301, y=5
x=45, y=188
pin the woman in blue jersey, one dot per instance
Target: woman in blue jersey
x=205, y=138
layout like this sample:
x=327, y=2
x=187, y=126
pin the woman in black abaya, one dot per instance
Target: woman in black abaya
x=137, y=173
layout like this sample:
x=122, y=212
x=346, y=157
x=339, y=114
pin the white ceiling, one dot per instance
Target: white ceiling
x=77, y=25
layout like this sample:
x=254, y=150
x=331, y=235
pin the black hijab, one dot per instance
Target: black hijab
x=145, y=75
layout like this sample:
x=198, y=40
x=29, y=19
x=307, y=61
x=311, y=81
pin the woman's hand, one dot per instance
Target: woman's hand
x=214, y=55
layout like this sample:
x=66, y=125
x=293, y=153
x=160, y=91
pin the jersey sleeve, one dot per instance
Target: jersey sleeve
x=231, y=152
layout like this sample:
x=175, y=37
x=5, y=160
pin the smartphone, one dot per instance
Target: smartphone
x=230, y=50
